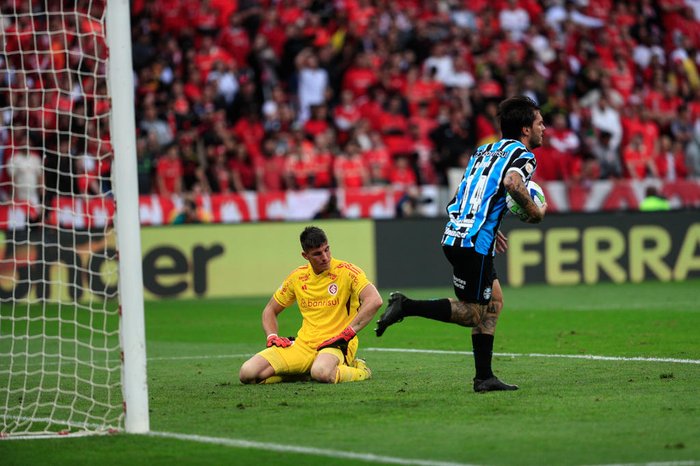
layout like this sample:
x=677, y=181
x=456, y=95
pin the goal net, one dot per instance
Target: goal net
x=61, y=349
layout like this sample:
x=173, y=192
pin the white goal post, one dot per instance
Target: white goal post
x=72, y=338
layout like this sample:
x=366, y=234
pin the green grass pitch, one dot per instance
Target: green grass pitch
x=609, y=374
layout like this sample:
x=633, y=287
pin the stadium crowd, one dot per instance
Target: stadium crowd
x=276, y=95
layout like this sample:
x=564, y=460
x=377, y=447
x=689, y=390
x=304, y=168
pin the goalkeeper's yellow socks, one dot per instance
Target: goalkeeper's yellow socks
x=436, y=309
x=273, y=379
x=358, y=371
x=286, y=378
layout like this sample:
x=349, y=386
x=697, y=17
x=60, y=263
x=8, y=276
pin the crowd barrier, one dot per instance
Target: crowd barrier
x=370, y=202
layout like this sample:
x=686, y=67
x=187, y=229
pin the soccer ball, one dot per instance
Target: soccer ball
x=536, y=194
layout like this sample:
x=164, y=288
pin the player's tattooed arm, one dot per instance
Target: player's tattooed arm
x=515, y=185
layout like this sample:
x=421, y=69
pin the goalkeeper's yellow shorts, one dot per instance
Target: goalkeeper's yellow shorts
x=298, y=358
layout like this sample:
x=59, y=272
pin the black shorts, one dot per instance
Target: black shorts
x=472, y=274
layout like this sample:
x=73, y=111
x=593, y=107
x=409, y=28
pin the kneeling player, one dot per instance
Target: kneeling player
x=336, y=301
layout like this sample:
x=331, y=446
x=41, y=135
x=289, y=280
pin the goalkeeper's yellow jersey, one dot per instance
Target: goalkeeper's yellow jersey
x=328, y=301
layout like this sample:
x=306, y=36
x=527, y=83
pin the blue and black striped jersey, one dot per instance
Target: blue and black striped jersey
x=476, y=211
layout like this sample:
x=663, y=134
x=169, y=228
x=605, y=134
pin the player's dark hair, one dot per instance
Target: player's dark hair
x=312, y=237
x=516, y=113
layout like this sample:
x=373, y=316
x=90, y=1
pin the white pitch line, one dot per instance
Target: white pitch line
x=367, y=457
x=541, y=355
x=466, y=353
x=656, y=463
x=589, y=357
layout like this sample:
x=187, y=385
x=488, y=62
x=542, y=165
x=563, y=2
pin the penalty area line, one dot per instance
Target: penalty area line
x=540, y=355
x=281, y=448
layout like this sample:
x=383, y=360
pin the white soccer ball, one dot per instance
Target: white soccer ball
x=536, y=194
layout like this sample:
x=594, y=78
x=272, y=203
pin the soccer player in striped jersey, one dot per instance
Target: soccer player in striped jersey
x=336, y=301
x=472, y=237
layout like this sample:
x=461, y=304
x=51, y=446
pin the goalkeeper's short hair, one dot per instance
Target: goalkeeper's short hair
x=312, y=237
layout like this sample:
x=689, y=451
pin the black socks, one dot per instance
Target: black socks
x=436, y=309
x=483, y=350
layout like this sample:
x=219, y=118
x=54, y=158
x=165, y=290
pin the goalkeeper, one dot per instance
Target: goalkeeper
x=336, y=301
x=471, y=236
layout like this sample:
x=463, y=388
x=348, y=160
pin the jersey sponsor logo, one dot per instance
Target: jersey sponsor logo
x=491, y=153
x=304, y=277
x=332, y=276
x=457, y=234
x=316, y=303
x=333, y=289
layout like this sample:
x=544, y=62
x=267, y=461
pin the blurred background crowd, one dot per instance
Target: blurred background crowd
x=256, y=95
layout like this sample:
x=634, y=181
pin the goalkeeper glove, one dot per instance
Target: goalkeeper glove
x=339, y=341
x=281, y=342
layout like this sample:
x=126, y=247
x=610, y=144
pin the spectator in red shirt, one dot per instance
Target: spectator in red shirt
x=487, y=124
x=423, y=87
x=322, y=160
x=393, y=125
x=270, y=170
x=234, y=40
x=549, y=162
x=566, y=145
x=345, y=115
x=169, y=171
x=243, y=176
x=631, y=120
x=638, y=161
x=206, y=18
x=209, y=53
x=360, y=76
x=318, y=122
x=402, y=175
x=298, y=171
x=273, y=31
x=372, y=106
x=350, y=170
x=393, y=121
x=488, y=87
x=250, y=130
x=670, y=161
x=622, y=77
x=378, y=160
x=650, y=131
x=421, y=119
x=360, y=14
x=668, y=105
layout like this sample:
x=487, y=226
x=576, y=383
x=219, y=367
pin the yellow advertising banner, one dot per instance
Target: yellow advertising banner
x=242, y=259
x=188, y=261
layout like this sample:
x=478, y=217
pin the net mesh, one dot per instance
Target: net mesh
x=60, y=365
